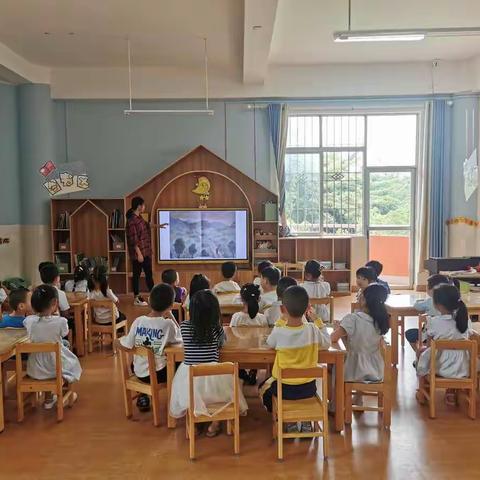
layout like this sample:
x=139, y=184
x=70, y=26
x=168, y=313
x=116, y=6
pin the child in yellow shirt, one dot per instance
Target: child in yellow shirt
x=297, y=344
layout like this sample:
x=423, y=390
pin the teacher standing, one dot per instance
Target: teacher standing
x=139, y=248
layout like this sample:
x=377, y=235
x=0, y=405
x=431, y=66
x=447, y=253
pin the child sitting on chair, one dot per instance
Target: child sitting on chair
x=274, y=313
x=228, y=285
x=260, y=268
x=270, y=278
x=425, y=306
x=316, y=287
x=50, y=276
x=378, y=269
x=79, y=282
x=297, y=344
x=98, y=289
x=365, y=277
x=19, y=301
x=363, y=331
x=155, y=330
x=452, y=323
x=47, y=327
x=170, y=277
x=203, y=336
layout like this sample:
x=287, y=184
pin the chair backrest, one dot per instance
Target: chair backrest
x=107, y=303
x=39, y=348
x=281, y=266
x=291, y=373
x=470, y=346
x=209, y=369
x=324, y=301
x=354, y=307
x=178, y=307
x=141, y=352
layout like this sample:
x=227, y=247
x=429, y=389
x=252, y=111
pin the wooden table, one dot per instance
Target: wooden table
x=230, y=303
x=79, y=304
x=246, y=345
x=402, y=306
x=9, y=338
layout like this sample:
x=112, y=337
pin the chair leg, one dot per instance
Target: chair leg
x=191, y=434
x=127, y=397
x=280, y=440
x=114, y=341
x=348, y=403
x=156, y=408
x=236, y=435
x=274, y=426
x=472, y=404
x=431, y=402
x=20, y=406
x=387, y=409
x=325, y=441
x=60, y=406
x=229, y=427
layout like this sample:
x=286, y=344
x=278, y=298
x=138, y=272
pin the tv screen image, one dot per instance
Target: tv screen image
x=196, y=235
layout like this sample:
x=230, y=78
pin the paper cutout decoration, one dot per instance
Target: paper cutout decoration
x=66, y=178
x=470, y=174
x=47, y=168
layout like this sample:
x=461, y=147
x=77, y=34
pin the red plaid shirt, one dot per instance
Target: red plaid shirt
x=138, y=235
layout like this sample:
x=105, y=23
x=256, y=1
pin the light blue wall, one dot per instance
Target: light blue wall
x=122, y=152
x=37, y=140
x=10, y=210
x=461, y=107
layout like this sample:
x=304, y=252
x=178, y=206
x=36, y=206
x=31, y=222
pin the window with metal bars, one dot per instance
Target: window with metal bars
x=324, y=170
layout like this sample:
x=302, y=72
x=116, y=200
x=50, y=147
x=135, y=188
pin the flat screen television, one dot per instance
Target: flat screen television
x=203, y=235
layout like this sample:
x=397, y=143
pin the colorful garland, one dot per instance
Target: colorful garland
x=464, y=220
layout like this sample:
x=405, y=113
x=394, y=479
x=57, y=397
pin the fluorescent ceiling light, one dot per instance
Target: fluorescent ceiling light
x=405, y=35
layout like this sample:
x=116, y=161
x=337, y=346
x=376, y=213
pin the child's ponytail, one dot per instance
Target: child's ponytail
x=250, y=295
x=448, y=296
x=375, y=296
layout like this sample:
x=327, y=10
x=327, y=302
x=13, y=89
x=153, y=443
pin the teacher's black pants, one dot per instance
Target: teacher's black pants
x=137, y=268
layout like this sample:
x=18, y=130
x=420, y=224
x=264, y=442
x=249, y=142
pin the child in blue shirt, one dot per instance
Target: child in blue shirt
x=378, y=268
x=19, y=301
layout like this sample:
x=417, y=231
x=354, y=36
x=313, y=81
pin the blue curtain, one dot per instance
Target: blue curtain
x=278, y=123
x=439, y=199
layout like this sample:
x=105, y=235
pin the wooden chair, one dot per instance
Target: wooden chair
x=281, y=266
x=428, y=384
x=325, y=301
x=132, y=384
x=295, y=268
x=383, y=391
x=313, y=409
x=422, y=320
x=219, y=412
x=354, y=307
x=29, y=385
x=109, y=329
x=178, y=307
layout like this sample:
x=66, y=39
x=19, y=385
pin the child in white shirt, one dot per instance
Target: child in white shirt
x=316, y=287
x=79, y=282
x=270, y=278
x=155, y=330
x=45, y=327
x=274, y=313
x=98, y=289
x=250, y=316
x=228, y=285
x=50, y=276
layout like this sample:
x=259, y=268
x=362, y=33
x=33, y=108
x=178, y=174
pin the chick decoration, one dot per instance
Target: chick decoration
x=202, y=189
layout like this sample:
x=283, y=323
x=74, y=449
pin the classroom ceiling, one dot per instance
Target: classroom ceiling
x=84, y=33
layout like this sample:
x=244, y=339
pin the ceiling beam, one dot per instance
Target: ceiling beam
x=259, y=19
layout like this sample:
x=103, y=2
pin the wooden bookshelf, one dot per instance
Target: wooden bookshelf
x=89, y=232
x=350, y=251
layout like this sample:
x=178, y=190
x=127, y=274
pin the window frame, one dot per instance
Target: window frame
x=306, y=111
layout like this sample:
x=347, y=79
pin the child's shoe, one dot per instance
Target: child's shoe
x=306, y=427
x=143, y=403
x=50, y=402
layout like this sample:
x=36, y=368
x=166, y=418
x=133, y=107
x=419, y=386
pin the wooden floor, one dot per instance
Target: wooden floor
x=95, y=439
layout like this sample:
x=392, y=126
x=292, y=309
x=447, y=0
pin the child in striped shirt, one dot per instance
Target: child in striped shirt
x=203, y=336
x=297, y=344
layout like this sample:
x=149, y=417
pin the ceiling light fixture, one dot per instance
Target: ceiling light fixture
x=131, y=110
x=399, y=35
